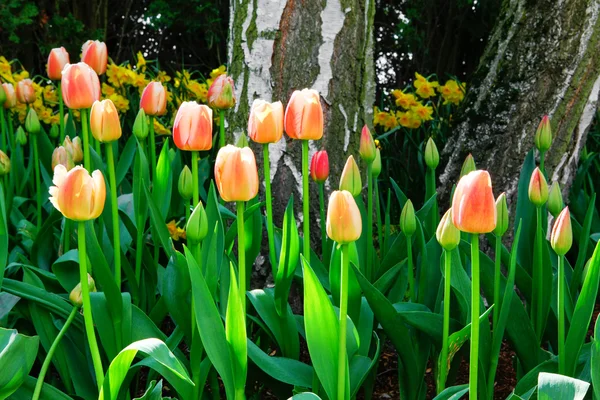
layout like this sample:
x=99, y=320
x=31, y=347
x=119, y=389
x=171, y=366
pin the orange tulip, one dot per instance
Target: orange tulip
x=304, y=115
x=25, y=91
x=344, y=224
x=94, y=54
x=80, y=86
x=265, y=124
x=74, y=148
x=57, y=60
x=154, y=99
x=473, y=205
x=319, y=166
x=104, y=121
x=538, y=188
x=76, y=194
x=11, y=96
x=236, y=174
x=562, y=233
x=60, y=156
x=221, y=94
x=367, y=149
x=192, y=130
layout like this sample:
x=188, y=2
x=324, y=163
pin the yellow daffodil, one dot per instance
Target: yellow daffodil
x=423, y=112
x=424, y=88
x=452, y=92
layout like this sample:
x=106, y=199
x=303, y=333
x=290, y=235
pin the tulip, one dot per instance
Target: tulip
x=74, y=148
x=25, y=91
x=57, y=60
x=543, y=135
x=140, y=125
x=78, y=195
x=192, y=130
x=196, y=228
x=344, y=223
x=447, y=235
x=104, y=121
x=538, y=188
x=473, y=204
x=265, y=124
x=60, y=156
x=11, y=96
x=154, y=99
x=468, y=165
x=502, y=215
x=367, y=148
x=80, y=86
x=184, y=185
x=21, y=136
x=76, y=296
x=555, y=200
x=408, y=225
x=304, y=115
x=350, y=180
x=561, y=238
x=236, y=174
x=221, y=94
x=54, y=131
x=95, y=54
x=376, y=166
x=368, y=152
x=32, y=122
x=499, y=231
x=319, y=166
x=432, y=156
x=432, y=160
x=4, y=163
x=32, y=125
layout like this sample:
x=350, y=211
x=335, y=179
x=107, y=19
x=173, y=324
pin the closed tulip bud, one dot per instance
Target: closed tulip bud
x=2, y=95
x=319, y=166
x=57, y=60
x=468, y=166
x=104, y=121
x=236, y=174
x=473, y=204
x=432, y=156
x=408, y=220
x=555, y=200
x=221, y=94
x=344, y=223
x=265, y=124
x=538, y=188
x=95, y=54
x=11, y=96
x=350, y=180
x=376, y=166
x=140, y=125
x=80, y=86
x=75, y=295
x=60, y=156
x=32, y=122
x=447, y=235
x=74, y=148
x=192, y=130
x=303, y=117
x=54, y=131
x=4, y=163
x=561, y=238
x=184, y=184
x=154, y=99
x=25, y=91
x=543, y=135
x=367, y=148
x=242, y=141
x=196, y=228
x=78, y=195
x=20, y=136
x=502, y=215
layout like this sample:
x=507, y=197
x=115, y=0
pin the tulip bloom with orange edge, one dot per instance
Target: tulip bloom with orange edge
x=104, y=121
x=221, y=94
x=236, y=174
x=344, y=223
x=57, y=60
x=95, y=54
x=11, y=96
x=60, y=156
x=367, y=150
x=473, y=204
x=319, y=166
x=265, y=124
x=25, y=91
x=80, y=86
x=192, y=130
x=78, y=195
x=538, y=188
x=562, y=233
x=154, y=99
x=304, y=115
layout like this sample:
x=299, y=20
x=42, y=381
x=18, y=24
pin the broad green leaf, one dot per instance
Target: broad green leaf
x=283, y=369
x=554, y=386
x=453, y=393
x=305, y=396
x=126, y=159
x=154, y=391
x=288, y=259
x=235, y=332
x=141, y=178
x=213, y=246
x=584, y=240
x=113, y=340
x=25, y=391
x=354, y=294
x=159, y=225
x=595, y=359
x=17, y=354
x=3, y=235
x=162, y=183
x=526, y=213
x=176, y=288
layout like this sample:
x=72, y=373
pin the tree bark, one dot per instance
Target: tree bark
x=278, y=46
x=542, y=58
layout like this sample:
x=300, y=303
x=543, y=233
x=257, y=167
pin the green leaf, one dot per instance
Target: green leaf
x=288, y=259
x=126, y=159
x=162, y=361
x=113, y=339
x=595, y=359
x=154, y=391
x=305, y=396
x=162, y=184
x=453, y=393
x=25, y=391
x=141, y=178
x=554, y=386
x=17, y=354
x=584, y=240
x=283, y=369
x=213, y=247
x=526, y=213
x=235, y=332
x=3, y=235
x=354, y=294
x=158, y=223
x=176, y=288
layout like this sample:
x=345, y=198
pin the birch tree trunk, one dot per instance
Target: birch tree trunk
x=278, y=46
x=542, y=58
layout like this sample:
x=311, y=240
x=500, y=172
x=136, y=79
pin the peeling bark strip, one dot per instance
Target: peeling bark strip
x=542, y=58
x=278, y=46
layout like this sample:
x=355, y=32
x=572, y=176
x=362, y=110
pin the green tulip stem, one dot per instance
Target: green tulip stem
x=187, y=210
x=387, y=230
x=369, y=266
x=152, y=148
x=497, y=274
x=542, y=159
x=474, y=356
x=305, y=204
x=3, y=128
x=86, y=140
x=221, y=128
x=48, y=359
x=411, y=272
x=115, y=211
x=431, y=191
x=443, y=373
x=195, y=189
x=538, y=277
x=378, y=214
x=139, y=239
x=61, y=108
x=342, y=362
x=67, y=235
x=562, y=357
x=241, y=253
x=269, y=205
x=324, y=256
x=38, y=189
x=87, y=306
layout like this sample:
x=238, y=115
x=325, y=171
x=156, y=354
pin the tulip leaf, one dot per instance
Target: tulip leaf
x=235, y=332
x=17, y=355
x=214, y=243
x=176, y=291
x=162, y=183
x=526, y=212
x=305, y=396
x=126, y=159
x=584, y=240
x=158, y=224
x=595, y=359
x=3, y=234
x=141, y=178
x=288, y=259
x=554, y=386
x=453, y=393
x=25, y=391
x=354, y=294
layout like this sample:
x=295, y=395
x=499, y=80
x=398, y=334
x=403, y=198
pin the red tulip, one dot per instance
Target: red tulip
x=319, y=166
x=265, y=124
x=473, y=204
x=154, y=99
x=192, y=130
x=236, y=174
x=25, y=91
x=94, y=54
x=221, y=94
x=304, y=115
x=57, y=60
x=80, y=86
x=11, y=96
